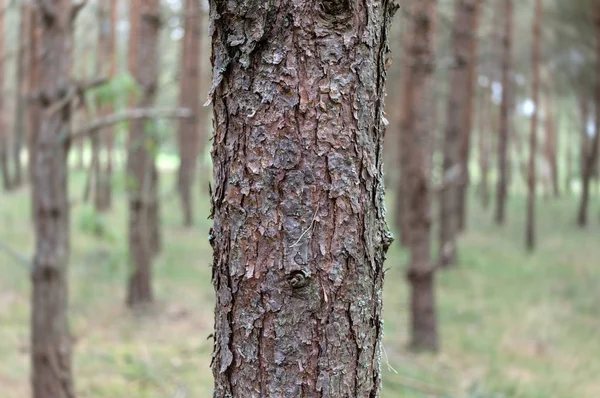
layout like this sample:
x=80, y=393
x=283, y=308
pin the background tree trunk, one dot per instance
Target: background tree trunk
x=485, y=114
x=299, y=232
x=551, y=144
x=465, y=142
x=20, y=96
x=143, y=64
x=569, y=139
x=453, y=173
x=3, y=141
x=189, y=89
x=33, y=84
x=106, y=67
x=417, y=173
x=590, y=152
x=531, y=180
x=50, y=339
x=504, y=134
x=403, y=155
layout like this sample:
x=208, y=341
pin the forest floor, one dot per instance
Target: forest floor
x=512, y=325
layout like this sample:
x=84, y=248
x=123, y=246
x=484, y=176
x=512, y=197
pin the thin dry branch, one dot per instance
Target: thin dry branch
x=15, y=255
x=130, y=114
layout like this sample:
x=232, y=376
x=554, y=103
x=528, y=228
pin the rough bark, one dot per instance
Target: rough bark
x=533, y=139
x=504, y=134
x=144, y=29
x=465, y=142
x=189, y=88
x=299, y=232
x=50, y=339
x=457, y=109
x=417, y=173
x=106, y=66
x=590, y=154
x=3, y=141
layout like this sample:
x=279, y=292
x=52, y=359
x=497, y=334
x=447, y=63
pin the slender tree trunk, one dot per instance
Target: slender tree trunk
x=417, y=173
x=590, y=153
x=154, y=221
x=504, y=134
x=531, y=177
x=51, y=341
x=144, y=29
x=453, y=173
x=106, y=66
x=403, y=155
x=465, y=142
x=20, y=97
x=33, y=84
x=569, y=160
x=550, y=145
x=189, y=87
x=299, y=232
x=485, y=115
x=3, y=132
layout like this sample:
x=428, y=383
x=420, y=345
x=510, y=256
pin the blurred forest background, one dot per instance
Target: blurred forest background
x=518, y=283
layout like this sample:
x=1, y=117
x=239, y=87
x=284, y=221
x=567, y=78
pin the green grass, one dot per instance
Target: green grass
x=513, y=325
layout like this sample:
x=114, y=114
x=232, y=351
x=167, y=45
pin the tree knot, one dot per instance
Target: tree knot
x=335, y=7
x=298, y=279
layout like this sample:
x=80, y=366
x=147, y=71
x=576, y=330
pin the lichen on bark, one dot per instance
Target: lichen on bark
x=299, y=231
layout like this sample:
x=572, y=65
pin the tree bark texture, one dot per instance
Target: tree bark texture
x=143, y=64
x=504, y=133
x=189, y=97
x=417, y=173
x=103, y=144
x=590, y=153
x=50, y=338
x=533, y=139
x=462, y=36
x=465, y=142
x=299, y=232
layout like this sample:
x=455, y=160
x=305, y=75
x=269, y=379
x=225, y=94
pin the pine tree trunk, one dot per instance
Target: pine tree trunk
x=50, y=338
x=143, y=64
x=550, y=146
x=590, y=153
x=485, y=115
x=33, y=84
x=20, y=97
x=569, y=160
x=189, y=88
x=465, y=142
x=154, y=221
x=531, y=177
x=417, y=173
x=404, y=145
x=453, y=173
x=504, y=134
x=106, y=66
x=3, y=141
x=299, y=232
